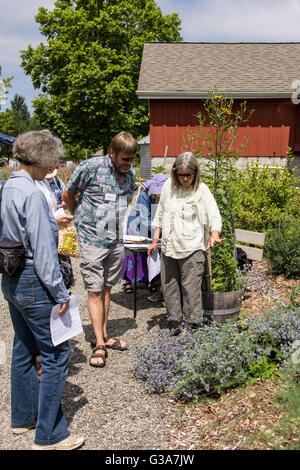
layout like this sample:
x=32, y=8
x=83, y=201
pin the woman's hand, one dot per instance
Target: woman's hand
x=214, y=238
x=63, y=308
x=64, y=220
x=153, y=247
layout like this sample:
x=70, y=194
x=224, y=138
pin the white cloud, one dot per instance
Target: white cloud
x=237, y=20
x=18, y=27
x=18, y=12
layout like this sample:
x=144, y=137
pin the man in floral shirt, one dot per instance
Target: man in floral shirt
x=105, y=186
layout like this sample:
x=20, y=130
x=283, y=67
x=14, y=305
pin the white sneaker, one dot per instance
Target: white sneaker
x=70, y=443
x=22, y=430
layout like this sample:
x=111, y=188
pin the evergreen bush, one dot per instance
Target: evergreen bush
x=282, y=247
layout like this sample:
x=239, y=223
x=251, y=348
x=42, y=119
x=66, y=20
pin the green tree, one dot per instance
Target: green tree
x=88, y=70
x=21, y=119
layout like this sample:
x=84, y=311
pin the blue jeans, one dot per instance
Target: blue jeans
x=30, y=307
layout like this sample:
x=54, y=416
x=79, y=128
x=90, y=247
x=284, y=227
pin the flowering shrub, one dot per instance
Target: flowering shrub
x=217, y=356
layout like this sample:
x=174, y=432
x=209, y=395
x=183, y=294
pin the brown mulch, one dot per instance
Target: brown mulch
x=243, y=418
x=279, y=294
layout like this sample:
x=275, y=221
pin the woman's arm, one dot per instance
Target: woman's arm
x=153, y=247
x=40, y=224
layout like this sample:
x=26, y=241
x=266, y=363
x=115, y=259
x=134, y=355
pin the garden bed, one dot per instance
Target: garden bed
x=249, y=416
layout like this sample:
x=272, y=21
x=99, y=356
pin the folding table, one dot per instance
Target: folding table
x=134, y=249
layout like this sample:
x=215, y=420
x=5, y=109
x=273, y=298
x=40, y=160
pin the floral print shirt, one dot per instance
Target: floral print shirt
x=102, y=201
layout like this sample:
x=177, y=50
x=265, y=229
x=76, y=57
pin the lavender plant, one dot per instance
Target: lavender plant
x=217, y=356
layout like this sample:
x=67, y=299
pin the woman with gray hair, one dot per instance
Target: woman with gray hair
x=186, y=206
x=32, y=293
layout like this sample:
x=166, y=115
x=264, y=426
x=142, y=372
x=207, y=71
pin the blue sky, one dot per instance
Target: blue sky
x=202, y=20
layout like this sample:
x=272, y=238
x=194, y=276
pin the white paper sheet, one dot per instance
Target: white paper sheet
x=68, y=326
x=135, y=239
x=153, y=262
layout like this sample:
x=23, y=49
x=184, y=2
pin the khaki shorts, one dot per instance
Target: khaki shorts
x=100, y=266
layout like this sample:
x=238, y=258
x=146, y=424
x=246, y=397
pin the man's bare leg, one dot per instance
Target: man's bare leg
x=97, y=315
x=98, y=305
x=106, y=304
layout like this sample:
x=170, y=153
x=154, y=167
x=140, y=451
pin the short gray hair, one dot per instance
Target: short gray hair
x=39, y=148
x=186, y=160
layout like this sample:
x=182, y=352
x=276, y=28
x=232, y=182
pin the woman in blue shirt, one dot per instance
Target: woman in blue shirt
x=32, y=293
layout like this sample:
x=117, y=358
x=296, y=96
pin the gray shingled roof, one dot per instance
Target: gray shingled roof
x=244, y=69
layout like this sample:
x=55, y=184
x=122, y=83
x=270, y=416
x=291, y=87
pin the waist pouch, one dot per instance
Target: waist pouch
x=12, y=257
x=12, y=254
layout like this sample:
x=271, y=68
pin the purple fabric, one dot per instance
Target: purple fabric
x=142, y=268
x=155, y=185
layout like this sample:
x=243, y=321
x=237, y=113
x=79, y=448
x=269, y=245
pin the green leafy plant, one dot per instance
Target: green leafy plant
x=282, y=247
x=263, y=369
x=295, y=296
x=158, y=169
x=262, y=194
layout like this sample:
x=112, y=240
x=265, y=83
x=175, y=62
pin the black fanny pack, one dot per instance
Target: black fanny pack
x=12, y=254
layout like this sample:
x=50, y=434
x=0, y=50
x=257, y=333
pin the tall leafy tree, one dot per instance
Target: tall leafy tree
x=88, y=70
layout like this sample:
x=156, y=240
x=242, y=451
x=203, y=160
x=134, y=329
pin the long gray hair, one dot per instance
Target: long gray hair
x=186, y=160
x=39, y=148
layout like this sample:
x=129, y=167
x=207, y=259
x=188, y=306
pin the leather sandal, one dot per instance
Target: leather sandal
x=128, y=289
x=116, y=345
x=102, y=356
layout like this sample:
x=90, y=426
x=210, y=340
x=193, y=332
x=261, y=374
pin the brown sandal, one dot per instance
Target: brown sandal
x=115, y=345
x=102, y=356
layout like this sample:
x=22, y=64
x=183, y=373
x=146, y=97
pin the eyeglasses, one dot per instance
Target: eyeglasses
x=186, y=175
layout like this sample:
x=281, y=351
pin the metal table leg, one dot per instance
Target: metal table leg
x=135, y=283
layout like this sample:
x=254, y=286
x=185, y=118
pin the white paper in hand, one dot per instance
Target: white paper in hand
x=64, y=328
x=153, y=262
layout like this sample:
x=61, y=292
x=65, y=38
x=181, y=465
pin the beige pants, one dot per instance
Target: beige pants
x=181, y=284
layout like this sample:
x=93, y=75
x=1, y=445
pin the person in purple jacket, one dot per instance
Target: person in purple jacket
x=139, y=223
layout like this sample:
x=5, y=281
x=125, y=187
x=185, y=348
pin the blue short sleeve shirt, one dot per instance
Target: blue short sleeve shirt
x=102, y=201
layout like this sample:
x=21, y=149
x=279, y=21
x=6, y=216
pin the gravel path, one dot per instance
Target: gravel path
x=108, y=406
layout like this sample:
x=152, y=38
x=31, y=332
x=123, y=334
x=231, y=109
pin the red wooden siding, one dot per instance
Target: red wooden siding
x=274, y=125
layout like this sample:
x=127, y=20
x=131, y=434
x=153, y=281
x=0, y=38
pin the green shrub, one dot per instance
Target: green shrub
x=225, y=277
x=263, y=369
x=262, y=194
x=158, y=169
x=282, y=247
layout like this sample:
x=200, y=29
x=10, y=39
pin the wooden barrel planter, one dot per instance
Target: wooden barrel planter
x=222, y=306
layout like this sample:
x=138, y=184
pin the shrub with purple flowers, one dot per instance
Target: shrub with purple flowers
x=217, y=356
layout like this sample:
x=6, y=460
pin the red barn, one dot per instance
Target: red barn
x=175, y=78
